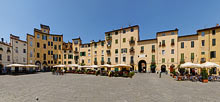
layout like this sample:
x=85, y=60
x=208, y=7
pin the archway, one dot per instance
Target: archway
x=153, y=67
x=163, y=68
x=142, y=66
x=38, y=63
x=1, y=68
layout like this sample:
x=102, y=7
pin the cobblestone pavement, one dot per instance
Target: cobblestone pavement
x=143, y=87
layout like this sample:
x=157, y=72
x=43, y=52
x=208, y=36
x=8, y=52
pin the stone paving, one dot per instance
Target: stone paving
x=143, y=87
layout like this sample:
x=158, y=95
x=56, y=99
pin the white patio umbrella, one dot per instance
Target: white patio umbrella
x=190, y=65
x=122, y=65
x=210, y=65
x=15, y=65
x=31, y=65
x=107, y=65
x=73, y=65
x=59, y=66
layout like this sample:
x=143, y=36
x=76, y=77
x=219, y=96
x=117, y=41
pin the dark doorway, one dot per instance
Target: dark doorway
x=16, y=69
x=142, y=66
x=1, y=68
x=153, y=68
x=163, y=68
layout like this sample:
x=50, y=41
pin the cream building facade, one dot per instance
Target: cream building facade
x=5, y=55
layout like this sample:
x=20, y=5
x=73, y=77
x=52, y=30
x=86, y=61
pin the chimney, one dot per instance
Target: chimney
x=2, y=39
x=217, y=25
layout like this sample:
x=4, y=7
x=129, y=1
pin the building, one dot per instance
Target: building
x=5, y=55
x=123, y=46
x=44, y=49
x=19, y=50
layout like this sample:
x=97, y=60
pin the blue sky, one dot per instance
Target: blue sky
x=89, y=19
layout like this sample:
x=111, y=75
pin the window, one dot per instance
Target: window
x=213, y=32
x=203, y=53
x=95, y=52
x=16, y=50
x=116, y=33
x=124, y=59
x=48, y=43
x=213, y=42
x=89, y=60
x=59, y=47
x=89, y=54
x=44, y=37
x=153, y=47
x=172, y=60
x=102, y=52
x=116, y=51
x=142, y=48
x=38, y=55
x=38, y=44
x=51, y=43
x=163, y=60
x=59, y=38
x=38, y=36
x=124, y=40
x=8, y=58
x=213, y=54
x=163, y=42
x=102, y=43
x=182, y=57
x=109, y=59
x=31, y=53
x=51, y=62
x=132, y=59
x=153, y=58
x=76, y=42
x=55, y=47
x=163, y=52
x=124, y=50
x=55, y=38
x=0, y=56
x=132, y=29
x=95, y=45
x=48, y=52
x=172, y=41
x=172, y=51
x=50, y=37
x=203, y=33
x=192, y=56
x=203, y=42
x=95, y=59
x=64, y=56
x=59, y=56
x=116, y=59
x=45, y=46
x=16, y=41
x=192, y=44
x=31, y=43
x=64, y=62
x=51, y=52
x=172, y=33
x=24, y=60
x=102, y=59
x=182, y=44
x=163, y=34
x=82, y=53
x=116, y=41
x=124, y=31
x=70, y=56
x=48, y=62
x=45, y=56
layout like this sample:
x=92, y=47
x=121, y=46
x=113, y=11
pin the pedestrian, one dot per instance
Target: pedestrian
x=160, y=74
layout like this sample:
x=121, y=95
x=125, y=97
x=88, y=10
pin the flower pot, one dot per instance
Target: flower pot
x=205, y=80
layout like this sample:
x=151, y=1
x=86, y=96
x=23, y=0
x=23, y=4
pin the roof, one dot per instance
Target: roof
x=37, y=30
x=16, y=38
x=44, y=26
x=76, y=38
x=208, y=28
x=5, y=44
x=123, y=28
x=187, y=35
x=147, y=40
x=168, y=31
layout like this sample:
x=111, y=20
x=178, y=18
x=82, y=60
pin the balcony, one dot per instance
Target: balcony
x=131, y=42
x=131, y=50
x=108, y=62
x=153, y=50
x=142, y=51
x=102, y=62
x=108, y=52
x=95, y=62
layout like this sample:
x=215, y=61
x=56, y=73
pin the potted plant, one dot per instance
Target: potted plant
x=204, y=76
x=131, y=74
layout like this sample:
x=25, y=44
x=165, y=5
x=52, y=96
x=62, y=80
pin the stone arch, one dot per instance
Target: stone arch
x=142, y=66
